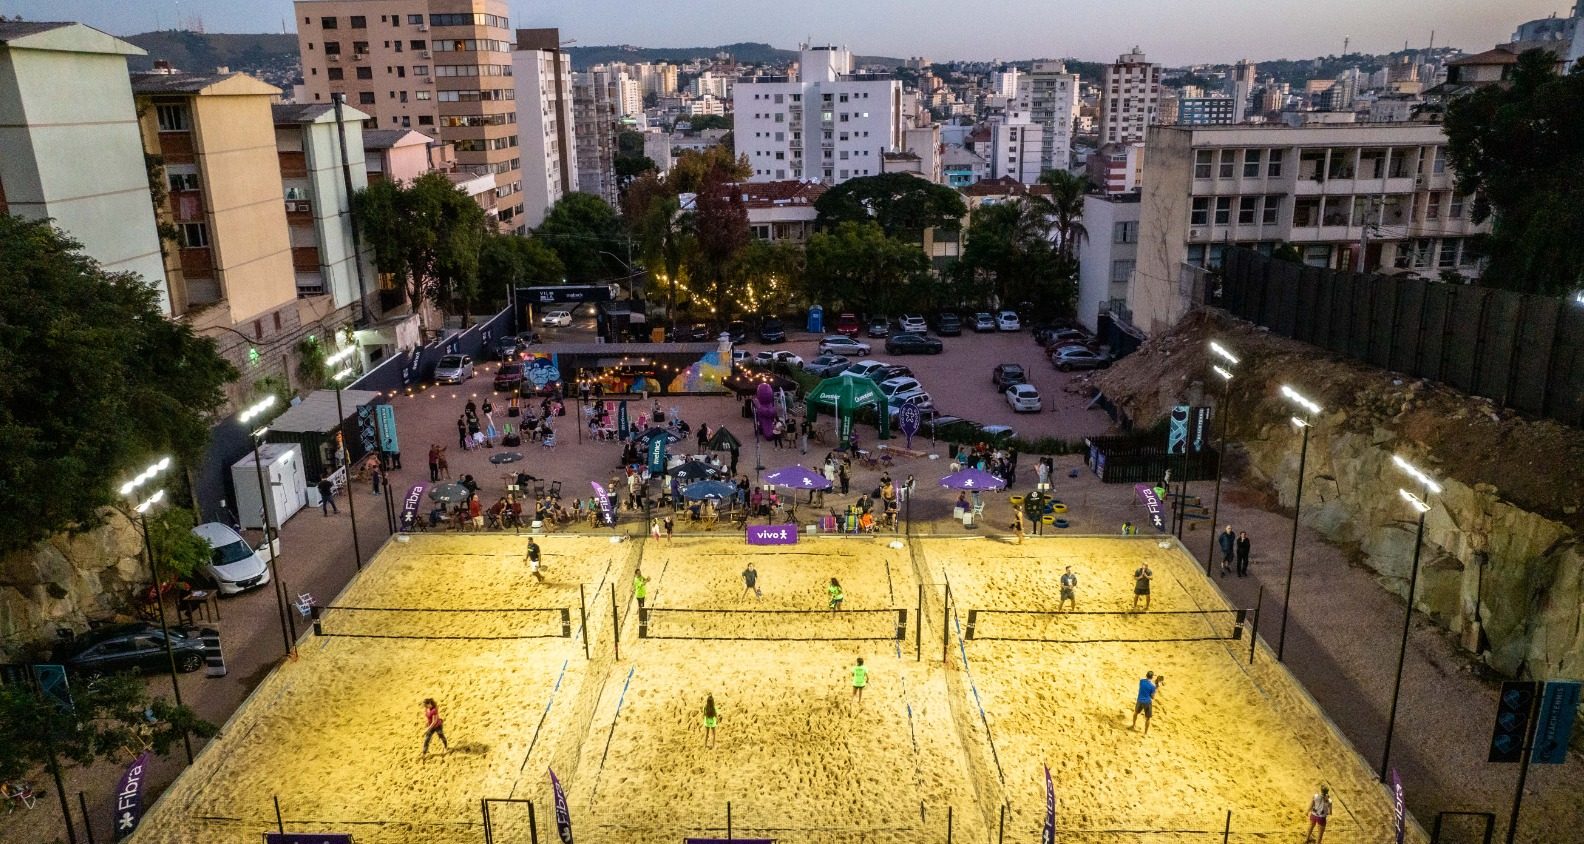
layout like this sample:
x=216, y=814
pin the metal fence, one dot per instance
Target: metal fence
x=1523, y=352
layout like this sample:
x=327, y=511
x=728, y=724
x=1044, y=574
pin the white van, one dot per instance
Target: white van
x=233, y=565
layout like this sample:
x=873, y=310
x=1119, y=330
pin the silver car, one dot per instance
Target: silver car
x=453, y=369
x=842, y=345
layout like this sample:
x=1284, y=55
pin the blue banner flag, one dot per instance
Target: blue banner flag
x=1177, y=431
x=657, y=455
x=1559, y=703
x=1048, y=834
x=622, y=425
x=386, y=416
x=563, y=817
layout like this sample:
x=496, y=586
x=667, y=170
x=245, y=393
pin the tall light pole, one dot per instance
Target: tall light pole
x=346, y=453
x=1221, y=352
x=142, y=509
x=1310, y=410
x=1428, y=487
x=288, y=627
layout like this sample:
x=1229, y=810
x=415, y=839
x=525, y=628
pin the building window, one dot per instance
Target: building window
x=360, y=48
x=1201, y=211
x=1121, y=271
x=1223, y=210
x=1306, y=213
x=1125, y=232
x=172, y=118
x=425, y=119
x=277, y=313
x=332, y=48
x=1272, y=210
x=1248, y=207
x=335, y=74
x=1438, y=166
x=401, y=97
x=183, y=181
x=1433, y=206
x=1455, y=210
x=1203, y=164
x=327, y=23
x=1274, y=170
x=420, y=70
x=365, y=98
x=1252, y=158
x=365, y=72
x=417, y=44
x=193, y=235
x=401, y=71
x=359, y=22
x=1449, y=253
x=415, y=20
x=1228, y=163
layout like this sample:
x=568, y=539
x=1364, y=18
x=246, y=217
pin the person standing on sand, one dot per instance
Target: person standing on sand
x=860, y=676
x=1017, y=523
x=1069, y=590
x=532, y=556
x=1228, y=542
x=434, y=725
x=640, y=587
x=1141, y=586
x=1128, y=529
x=1319, y=813
x=1144, y=703
x=750, y=578
x=1242, y=554
x=711, y=720
x=836, y=595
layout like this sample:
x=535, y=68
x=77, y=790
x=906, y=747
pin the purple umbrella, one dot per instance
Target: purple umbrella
x=972, y=479
x=797, y=477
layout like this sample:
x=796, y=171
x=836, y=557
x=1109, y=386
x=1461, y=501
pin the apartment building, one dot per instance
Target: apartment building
x=594, y=129
x=399, y=155
x=1129, y=95
x=1206, y=111
x=327, y=258
x=542, y=77
x=70, y=144
x=1116, y=169
x=1325, y=189
x=1240, y=85
x=442, y=67
x=781, y=210
x=827, y=124
x=961, y=167
x=1108, y=256
x=1050, y=96
x=1017, y=146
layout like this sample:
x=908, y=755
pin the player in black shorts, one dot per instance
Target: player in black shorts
x=1141, y=586
x=1069, y=587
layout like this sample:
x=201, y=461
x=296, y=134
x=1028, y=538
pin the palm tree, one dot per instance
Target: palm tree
x=1065, y=209
x=665, y=230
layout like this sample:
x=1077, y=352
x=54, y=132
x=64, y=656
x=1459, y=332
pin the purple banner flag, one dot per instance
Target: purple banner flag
x=772, y=534
x=562, y=815
x=1152, y=503
x=1399, y=807
x=410, y=505
x=307, y=838
x=605, y=504
x=129, y=797
x=1048, y=835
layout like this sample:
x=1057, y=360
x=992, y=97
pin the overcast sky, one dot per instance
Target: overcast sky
x=1173, y=31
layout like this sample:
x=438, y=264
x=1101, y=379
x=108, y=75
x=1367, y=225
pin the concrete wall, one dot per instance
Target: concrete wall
x=1099, y=251
x=332, y=207
x=1168, y=167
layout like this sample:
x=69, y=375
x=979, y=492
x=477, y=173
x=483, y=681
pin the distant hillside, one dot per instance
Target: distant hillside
x=270, y=57
x=745, y=53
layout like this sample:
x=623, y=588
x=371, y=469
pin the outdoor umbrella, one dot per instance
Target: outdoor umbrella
x=693, y=470
x=701, y=490
x=972, y=479
x=670, y=435
x=505, y=457
x=723, y=440
x=449, y=493
x=797, y=477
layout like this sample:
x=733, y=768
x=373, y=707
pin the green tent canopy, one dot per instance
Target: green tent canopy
x=844, y=394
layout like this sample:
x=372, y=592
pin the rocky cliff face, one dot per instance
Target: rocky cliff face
x=68, y=579
x=1502, y=542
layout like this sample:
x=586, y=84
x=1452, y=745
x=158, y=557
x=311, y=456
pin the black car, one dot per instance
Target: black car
x=130, y=647
x=916, y=344
x=771, y=331
x=879, y=326
x=1007, y=374
x=508, y=348
x=698, y=332
x=738, y=331
x=948, y=325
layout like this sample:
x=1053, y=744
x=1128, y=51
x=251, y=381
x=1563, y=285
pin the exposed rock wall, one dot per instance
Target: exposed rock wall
x=1502, y=541
x=64, y=581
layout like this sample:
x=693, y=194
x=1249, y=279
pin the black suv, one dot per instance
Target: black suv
x=738, y=331
x=772, y=331
x=130, y=647
x=948, y=325
x=1007, y=374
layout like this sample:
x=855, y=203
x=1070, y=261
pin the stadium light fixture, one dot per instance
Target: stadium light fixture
x=1417, y=474
x=1221, y=352
x=1299, y=399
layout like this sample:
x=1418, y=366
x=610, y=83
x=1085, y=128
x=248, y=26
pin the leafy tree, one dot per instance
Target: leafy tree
x=427, y=235
x=108, y=720
x=1064, y=206
x=692, y=167
x=580, y=228
x=628, y=168
x=903, y=205
x=665, y=237
x=1009, y=257
x=1285, y=251
x=651, y=100
x=509, y=260
x=1519, y=150
x=629, y=143
x=701, y=122
x=769, y=276
x=311, y=357
x=181, y=553
x=857, y=266
x=720, y=225
x=96, y=382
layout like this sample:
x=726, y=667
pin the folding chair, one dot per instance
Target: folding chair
x=555, y=489
x=20, y=792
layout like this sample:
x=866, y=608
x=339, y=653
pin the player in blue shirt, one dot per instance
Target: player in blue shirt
x=1146, y=699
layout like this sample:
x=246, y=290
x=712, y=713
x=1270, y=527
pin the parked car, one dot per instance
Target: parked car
x=874, y=370
x=983, y=322
x=1053, y=336
x=509, y=376
x=233, y=564
x=843, y=345
x=507, y=348
x=913, y=324
x=1023, y=398
x=1008, y=321
x=902, y=344
x=528, y=338
x=827, y=365
x=770, y=356
x=737, y=330
x=741, y=356
x=1007, y=374
x=879, y=327
x=948, y=325
x=559, y=319
x=453, y=369
x=848, y=324
x=900, y=391
x=137, y=646
x=772, y=331
x=1070, y=359
x=893, y=370
x=698, y=332
x=1065, y=347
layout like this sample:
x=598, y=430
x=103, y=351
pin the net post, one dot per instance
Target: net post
x=318, y=628
x=728, y=821
x=1001, y=830
x=946, y=624
x=533, y=825
x=1227, y=833
x=901, y=625
x=918, y=632
x=948, y=824
x=583, y=620
x=973, y=619
x=615, y=624
x=566, y=623
x=1254, y=632
x=489, y=837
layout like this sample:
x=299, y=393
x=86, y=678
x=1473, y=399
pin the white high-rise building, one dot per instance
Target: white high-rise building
x=594, y=121
x=1004, y=83
x=1128, y=98
x=542, y=77
x=827, y=124
x=1241, y=86
x=1017, y=146
x=629, y=96
x=1050, y=95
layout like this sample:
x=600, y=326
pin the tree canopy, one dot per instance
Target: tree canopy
x=1010, y=257
x=97, y=383
x=581, y=229
x=427, y=235
x=689, y=169
x=903, y=205
x=1519, y=150
x=720, y=227
x=509, y=260
x=858, y=266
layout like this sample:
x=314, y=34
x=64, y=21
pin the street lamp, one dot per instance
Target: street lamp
x=1221, y=352
x=288, y=627
x=346, y=453
x=1428, y=487
x=142, y=509
x=1310, y=410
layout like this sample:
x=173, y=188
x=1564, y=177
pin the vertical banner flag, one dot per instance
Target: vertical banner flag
x=562, y=816
x=410, y=504
x=387, y=428
x=1514, y=707
x=844, y=423
x=129, y=797
x=1199, y=429
x=1177, y=432
x=1048, y=834
x=1152, y=503
x=605, y=504
x=657, y=454
x=908, y=418
x=1399, y=807
x=1559, y=703
x=622, y=424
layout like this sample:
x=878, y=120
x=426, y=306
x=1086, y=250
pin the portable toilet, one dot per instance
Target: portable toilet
x=816, y=320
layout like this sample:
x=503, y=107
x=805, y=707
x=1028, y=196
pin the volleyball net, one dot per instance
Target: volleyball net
x=1086, y=626
x=779, y=625
x=447, y=623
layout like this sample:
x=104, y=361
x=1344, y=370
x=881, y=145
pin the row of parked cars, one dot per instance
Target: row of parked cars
x=947, y=324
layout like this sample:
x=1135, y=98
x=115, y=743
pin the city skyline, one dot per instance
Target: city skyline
x=1085, y=29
